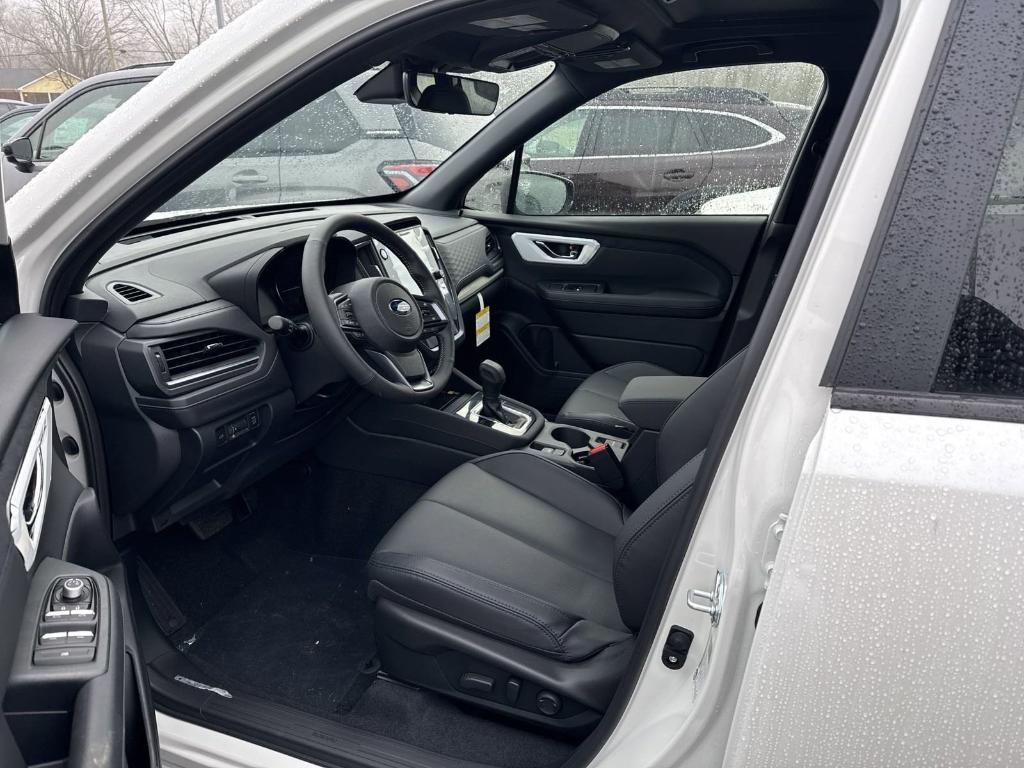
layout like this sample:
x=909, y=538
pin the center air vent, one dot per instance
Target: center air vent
x=205, y=355
x=130, y=293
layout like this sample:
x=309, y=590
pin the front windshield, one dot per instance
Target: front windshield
x=339, y=148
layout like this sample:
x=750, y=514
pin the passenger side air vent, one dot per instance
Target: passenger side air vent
x=130, y=293
x=209, y=354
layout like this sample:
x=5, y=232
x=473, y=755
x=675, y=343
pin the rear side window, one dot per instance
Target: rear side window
x=724, y=132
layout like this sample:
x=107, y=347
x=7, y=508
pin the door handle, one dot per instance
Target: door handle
x=572, y=251
x=575, y=251
x=678, y=174
x=249, y=177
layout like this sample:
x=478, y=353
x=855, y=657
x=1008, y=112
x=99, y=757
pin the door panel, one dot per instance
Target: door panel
x=657, y=289
x=63, y=635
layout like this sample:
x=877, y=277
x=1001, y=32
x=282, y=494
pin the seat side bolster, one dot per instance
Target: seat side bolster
x=645, y=540
x=486, y=606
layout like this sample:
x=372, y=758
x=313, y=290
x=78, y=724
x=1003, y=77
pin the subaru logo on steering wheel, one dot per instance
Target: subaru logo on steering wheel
x=400, y=307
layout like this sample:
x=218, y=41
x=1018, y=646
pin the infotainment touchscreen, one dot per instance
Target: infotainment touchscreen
x=415, y=238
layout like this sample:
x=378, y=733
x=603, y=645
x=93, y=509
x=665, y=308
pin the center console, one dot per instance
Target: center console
x=596, y=456
x=423, y=441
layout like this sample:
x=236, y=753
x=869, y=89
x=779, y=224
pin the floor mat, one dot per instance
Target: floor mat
x=296, y=634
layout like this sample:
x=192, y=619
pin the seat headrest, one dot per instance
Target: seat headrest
x=440, y=99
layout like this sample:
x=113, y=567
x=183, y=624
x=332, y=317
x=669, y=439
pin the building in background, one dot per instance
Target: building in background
x=34, y=85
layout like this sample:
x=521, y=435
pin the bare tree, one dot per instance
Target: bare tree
x=66, y=36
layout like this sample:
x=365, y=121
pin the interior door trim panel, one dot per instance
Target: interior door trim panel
x=534, y=247
x=26, y=503
x=34, y=341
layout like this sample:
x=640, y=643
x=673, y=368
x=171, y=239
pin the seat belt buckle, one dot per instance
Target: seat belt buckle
x=607, y=466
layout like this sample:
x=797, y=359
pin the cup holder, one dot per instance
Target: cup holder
x=572, y=437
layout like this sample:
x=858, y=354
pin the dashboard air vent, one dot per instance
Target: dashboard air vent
x=130, y=293
x=205, y=354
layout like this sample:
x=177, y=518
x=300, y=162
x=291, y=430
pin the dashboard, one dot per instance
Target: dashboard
x=200, y=397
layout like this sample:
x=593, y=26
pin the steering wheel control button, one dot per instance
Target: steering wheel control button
x=475, y=683
x=72, y=590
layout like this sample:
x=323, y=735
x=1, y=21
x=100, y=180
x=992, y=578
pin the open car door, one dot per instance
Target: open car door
x=72, y=690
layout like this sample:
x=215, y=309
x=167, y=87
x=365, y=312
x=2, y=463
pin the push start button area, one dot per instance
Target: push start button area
x=67, y=630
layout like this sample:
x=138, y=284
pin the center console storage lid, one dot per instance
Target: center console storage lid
x=648, y=401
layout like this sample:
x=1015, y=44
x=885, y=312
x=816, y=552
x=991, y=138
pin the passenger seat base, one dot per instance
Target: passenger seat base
x=420, y=649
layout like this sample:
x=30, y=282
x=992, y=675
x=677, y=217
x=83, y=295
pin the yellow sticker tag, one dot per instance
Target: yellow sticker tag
x=483, y=322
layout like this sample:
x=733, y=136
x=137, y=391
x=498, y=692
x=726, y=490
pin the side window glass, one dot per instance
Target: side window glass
x=712, y=142
x=984, y=351
x=79, y=116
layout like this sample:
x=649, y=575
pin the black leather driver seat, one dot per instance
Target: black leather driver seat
x=519, y=585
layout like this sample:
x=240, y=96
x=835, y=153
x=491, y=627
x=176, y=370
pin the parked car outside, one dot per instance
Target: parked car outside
x=652, y=148
x=318, y=153
x=61, y=123
x=7, y=105
x=734, y=140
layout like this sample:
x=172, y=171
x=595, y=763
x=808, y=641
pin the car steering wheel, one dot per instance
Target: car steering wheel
x=374, y=327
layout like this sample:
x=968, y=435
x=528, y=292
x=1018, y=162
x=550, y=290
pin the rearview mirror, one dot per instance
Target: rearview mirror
x=542, y=194
x=19, y=151
x=450, y=94
x=430, y=91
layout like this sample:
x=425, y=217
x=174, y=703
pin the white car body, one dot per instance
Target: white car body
x=855, y=517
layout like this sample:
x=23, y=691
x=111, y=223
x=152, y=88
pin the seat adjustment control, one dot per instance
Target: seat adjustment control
x=475, y=683
x=548, y=703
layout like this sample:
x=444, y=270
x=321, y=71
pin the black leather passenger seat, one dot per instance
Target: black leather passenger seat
x=516, y=583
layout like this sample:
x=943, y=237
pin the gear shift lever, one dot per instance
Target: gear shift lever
x=492, y=378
